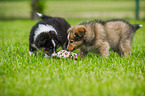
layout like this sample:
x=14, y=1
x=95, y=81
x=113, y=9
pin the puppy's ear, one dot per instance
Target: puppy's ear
x=69, y=30
x=80, y=32
x=54, y=35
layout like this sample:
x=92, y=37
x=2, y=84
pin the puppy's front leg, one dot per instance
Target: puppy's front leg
x=82, y=53
x=46, y=55
x=104, y=49
x=32, y=50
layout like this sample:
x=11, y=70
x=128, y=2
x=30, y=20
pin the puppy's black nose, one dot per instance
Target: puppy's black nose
x=67, y=50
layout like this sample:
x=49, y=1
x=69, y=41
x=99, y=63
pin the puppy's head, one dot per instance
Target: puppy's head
x=75, y=37
x=48, y=43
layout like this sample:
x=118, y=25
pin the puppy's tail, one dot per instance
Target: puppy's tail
x=43, y=17
x=136, y=26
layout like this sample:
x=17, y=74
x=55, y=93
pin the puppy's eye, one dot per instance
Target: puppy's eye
x=71, y=41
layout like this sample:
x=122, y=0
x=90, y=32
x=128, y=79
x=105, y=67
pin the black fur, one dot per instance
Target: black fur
x=136, y=26
x=44, y=40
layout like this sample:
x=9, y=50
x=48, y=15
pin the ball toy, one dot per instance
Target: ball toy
x=66, y=54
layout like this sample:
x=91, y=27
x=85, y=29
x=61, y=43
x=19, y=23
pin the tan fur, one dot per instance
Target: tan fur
x=99, y=38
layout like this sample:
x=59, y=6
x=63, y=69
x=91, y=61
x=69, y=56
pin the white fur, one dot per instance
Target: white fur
x=43, y=28
x=33, y=45
x=54, y=53
x=53, y=42
x=30, y=53
x=68, y=36
x=46, y=55
x=68, y=39
x=40, y=15
x=140, y=25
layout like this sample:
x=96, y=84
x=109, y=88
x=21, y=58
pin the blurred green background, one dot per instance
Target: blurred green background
x=79, y=9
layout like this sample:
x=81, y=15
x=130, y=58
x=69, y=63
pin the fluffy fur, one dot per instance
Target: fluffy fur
x=99, y=36
x=48, y=34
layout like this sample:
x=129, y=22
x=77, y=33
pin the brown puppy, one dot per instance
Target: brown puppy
x=99, y=36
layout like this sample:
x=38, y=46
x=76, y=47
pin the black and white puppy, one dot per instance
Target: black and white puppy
x=48, y=34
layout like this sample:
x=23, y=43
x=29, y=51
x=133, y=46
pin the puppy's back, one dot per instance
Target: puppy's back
x=117, y=30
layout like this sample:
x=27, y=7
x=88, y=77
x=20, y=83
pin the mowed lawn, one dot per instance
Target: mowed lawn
x=22, y=74
x=75, y=9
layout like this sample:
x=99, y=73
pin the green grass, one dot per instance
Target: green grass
x=22, y=74
x=74, y=9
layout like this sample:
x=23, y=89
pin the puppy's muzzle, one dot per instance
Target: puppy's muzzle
x=71, y=49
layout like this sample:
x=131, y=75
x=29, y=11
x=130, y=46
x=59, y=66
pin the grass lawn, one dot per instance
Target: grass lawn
x=22, y=74
x=75, y=9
